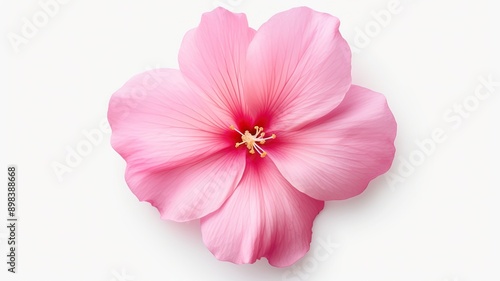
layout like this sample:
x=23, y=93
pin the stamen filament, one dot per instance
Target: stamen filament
x=251, y=140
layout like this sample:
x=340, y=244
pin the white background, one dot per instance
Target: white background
x=437, y=220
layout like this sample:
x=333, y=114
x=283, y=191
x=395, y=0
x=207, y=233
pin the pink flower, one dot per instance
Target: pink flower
x=324, y=139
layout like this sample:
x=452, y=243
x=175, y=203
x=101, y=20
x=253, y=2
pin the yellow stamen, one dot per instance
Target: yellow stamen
x=251, y=140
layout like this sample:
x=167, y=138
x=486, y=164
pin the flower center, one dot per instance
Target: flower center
x=251, y=140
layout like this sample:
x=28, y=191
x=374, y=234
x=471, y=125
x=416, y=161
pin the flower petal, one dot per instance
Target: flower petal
x=165, y=131
x=190, y=191
x=213, y=55
x=298, y=68
x=158, y=120
x=338, y=155
x=264, y=217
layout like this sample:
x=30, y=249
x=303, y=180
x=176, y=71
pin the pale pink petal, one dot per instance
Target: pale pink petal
x=213, y=56
x=158, y=120
x=190, y=191
x=338, y=155
x=265, y=217
x=161, y=126
x=298, y=68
